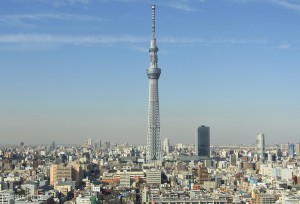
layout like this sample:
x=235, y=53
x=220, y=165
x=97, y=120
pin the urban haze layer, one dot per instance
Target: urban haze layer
x=158, y=172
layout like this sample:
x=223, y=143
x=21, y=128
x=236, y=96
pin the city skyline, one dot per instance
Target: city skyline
x=75, y=69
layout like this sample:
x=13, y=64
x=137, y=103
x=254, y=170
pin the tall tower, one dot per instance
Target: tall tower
x=153, y=138
x=260, y=145
x=203, y=141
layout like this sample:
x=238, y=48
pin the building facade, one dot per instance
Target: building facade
x=153, y=176
x=7, y=197
x=65, y=173
x=203, y=141
x=125, y=179
x=203, y=174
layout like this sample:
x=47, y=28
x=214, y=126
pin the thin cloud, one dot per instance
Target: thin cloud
x=69, y=39
x=284, y=46
x=102, y=39
x=184, y=5
x=288, y=4
x=79, y=1
x=211, y=41
x=24, y=20
x=141, y=49
x=29, y=46
x=62, y=3
x=180, y=4
x=56, y=3
x=245, y=1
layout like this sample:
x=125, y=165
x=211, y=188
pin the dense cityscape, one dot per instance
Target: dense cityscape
x=101, y=172
x=158, y=171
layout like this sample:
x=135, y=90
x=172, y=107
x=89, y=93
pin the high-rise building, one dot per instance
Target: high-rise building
x=232, y=159
x=297, y=149
x=153, y=151
x=166, y=145
x=89, y=142
x=260, y=145
x=291, y=150
x=203, y=141
x=107, y=145
x=53, y=145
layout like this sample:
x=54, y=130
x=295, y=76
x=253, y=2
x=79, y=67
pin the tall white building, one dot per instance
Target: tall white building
x=125, y=179
x=260, y=145
x=89, y=142
x=297, y=149
x=153, y=151
x=166, y=145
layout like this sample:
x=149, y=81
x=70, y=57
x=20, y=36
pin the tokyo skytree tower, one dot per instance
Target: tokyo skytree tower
x=153, y=151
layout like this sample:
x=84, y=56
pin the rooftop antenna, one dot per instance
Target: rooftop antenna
x=153, y=21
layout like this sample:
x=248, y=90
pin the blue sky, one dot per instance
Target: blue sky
x=76, y=69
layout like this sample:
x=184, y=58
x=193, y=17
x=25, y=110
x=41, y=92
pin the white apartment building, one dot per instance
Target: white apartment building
x=125, y=179
x=153, y=176
x=7, y=197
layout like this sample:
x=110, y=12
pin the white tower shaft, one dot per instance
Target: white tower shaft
x=153, y=151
